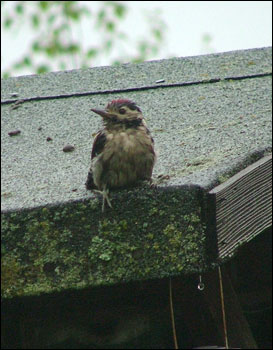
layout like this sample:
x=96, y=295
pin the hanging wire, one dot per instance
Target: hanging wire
x=223, y=307
x=172, y=314
x=201, y=285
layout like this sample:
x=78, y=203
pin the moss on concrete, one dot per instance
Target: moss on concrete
x=156, y=234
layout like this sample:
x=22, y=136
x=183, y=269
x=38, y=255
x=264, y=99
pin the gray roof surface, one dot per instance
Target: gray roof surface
x=204, y=122
x=210, y=118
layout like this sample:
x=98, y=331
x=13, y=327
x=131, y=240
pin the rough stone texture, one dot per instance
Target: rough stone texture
x=210, y=118
x=133, y=76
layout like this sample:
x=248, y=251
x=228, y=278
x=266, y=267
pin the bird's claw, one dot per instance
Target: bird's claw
x=159, y=180
x=105, y=196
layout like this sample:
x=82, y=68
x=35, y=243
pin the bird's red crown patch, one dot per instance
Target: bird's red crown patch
x=121, y=102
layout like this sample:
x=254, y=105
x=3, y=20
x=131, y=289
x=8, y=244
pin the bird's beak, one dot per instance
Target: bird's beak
x=102, y=113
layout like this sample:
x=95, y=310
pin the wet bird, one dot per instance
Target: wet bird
x=123, y=151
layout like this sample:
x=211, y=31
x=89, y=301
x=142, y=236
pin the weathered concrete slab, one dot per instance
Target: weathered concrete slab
x=54, y=234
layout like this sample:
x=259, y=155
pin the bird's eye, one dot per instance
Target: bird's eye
x=122, y=111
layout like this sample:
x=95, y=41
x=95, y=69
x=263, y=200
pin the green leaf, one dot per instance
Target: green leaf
x=36, y=47
x=27, y=61
x=51, y=19
x=19, y=9
x=70, y=11
x=154, y=49
x=85, y=11
x=137, y=60
x=116, y=62
x=44, y=5
x=57, y=31
x=101, y=16
x=207, y=38
x=73, y=48
x=75, y=15
x=6, y=75
x=92, y=53
x=52, y=49
x=143, y=47
x=43, y=68
x=110, y=26
x=17, y=65
x=108, y=45
x=119, y=10
x=35, y=20
x=157, y=34
x=8, y=22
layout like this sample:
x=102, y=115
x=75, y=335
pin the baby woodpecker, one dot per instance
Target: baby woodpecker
x=123, y=151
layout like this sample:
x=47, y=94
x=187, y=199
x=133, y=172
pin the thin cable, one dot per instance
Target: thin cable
x=131, y=89
x=223, y=307
x=172, y=315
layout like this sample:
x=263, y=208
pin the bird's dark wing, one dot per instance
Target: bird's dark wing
x=98, y=144
x=97, y=148
x=89, y=184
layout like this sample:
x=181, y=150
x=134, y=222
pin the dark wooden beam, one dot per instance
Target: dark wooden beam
x=240, y=208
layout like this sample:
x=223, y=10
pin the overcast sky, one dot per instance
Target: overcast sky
x=231, y=25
